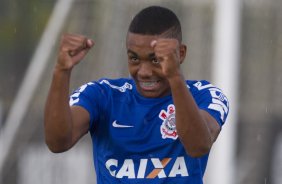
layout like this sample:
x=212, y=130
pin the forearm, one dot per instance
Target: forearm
x=191, y=126
x=57, y=118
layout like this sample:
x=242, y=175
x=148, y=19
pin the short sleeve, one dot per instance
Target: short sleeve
x=212, y=100
x=88, y=96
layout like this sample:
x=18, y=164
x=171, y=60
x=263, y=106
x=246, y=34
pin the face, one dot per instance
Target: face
x=144, y=68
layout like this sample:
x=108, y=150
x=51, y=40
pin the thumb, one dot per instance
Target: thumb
x=153, y=43
x=89, y=43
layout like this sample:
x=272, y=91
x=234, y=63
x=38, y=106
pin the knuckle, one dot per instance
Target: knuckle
x=64, y=48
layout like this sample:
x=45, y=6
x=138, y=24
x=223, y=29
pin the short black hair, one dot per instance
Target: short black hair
x=155, y=20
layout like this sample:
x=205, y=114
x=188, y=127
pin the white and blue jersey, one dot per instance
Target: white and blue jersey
x=135, y=139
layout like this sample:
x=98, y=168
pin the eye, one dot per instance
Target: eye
x=134, y=59
x=155, y=61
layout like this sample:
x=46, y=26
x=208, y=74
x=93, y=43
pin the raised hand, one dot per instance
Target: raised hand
x=73, y=49
x=167, y=52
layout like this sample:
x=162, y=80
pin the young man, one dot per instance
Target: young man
x=152, y=128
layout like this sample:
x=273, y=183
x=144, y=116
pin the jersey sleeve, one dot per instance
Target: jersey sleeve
x=212, y=100
x=88, y=96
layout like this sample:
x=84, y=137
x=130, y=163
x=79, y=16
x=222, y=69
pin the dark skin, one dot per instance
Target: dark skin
x=65, y=125
x=157, y=59
x=154, y=64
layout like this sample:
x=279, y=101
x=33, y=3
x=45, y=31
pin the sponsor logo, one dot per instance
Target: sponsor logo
x=168, y=127
x=116, y=125
x=160, y=169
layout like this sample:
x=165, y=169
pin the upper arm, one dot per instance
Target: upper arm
x=212, y=125
x=80, y=119
x=86, y=103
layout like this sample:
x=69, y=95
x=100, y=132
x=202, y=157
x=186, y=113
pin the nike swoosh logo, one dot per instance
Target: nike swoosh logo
x=121, y=126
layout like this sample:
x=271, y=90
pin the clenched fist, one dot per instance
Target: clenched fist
x=170, y=55
x=72, y=50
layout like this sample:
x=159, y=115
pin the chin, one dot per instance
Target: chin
x=153, y=94
x=150, y=95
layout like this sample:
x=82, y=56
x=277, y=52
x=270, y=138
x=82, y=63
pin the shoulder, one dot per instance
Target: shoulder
x=115, y=88
x=199, y=84
x=103, y=87
x=206, y=93
x=210, y=98
x=120, y=84
x=198, y=87
x=203, y=88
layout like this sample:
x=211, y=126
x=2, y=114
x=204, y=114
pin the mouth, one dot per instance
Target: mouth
x=149, y=85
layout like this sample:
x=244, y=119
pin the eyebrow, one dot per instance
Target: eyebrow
x=150, y=55
x=132, y=52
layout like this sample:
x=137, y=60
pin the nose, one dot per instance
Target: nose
x=145, y=70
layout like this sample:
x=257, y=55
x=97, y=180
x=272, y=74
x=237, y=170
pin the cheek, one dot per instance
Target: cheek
x=165, y=85
x=132, y=70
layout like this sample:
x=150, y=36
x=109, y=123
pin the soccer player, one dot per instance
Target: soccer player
x=154, y=127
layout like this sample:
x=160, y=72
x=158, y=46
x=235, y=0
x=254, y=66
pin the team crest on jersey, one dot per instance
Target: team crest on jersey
x=168, y=127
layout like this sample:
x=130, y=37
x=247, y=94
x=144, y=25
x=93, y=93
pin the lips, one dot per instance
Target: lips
x=149, y=85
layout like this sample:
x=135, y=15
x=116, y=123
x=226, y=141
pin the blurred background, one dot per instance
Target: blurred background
x=237, y=45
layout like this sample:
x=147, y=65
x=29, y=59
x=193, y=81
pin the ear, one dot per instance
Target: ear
x=183, y=51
